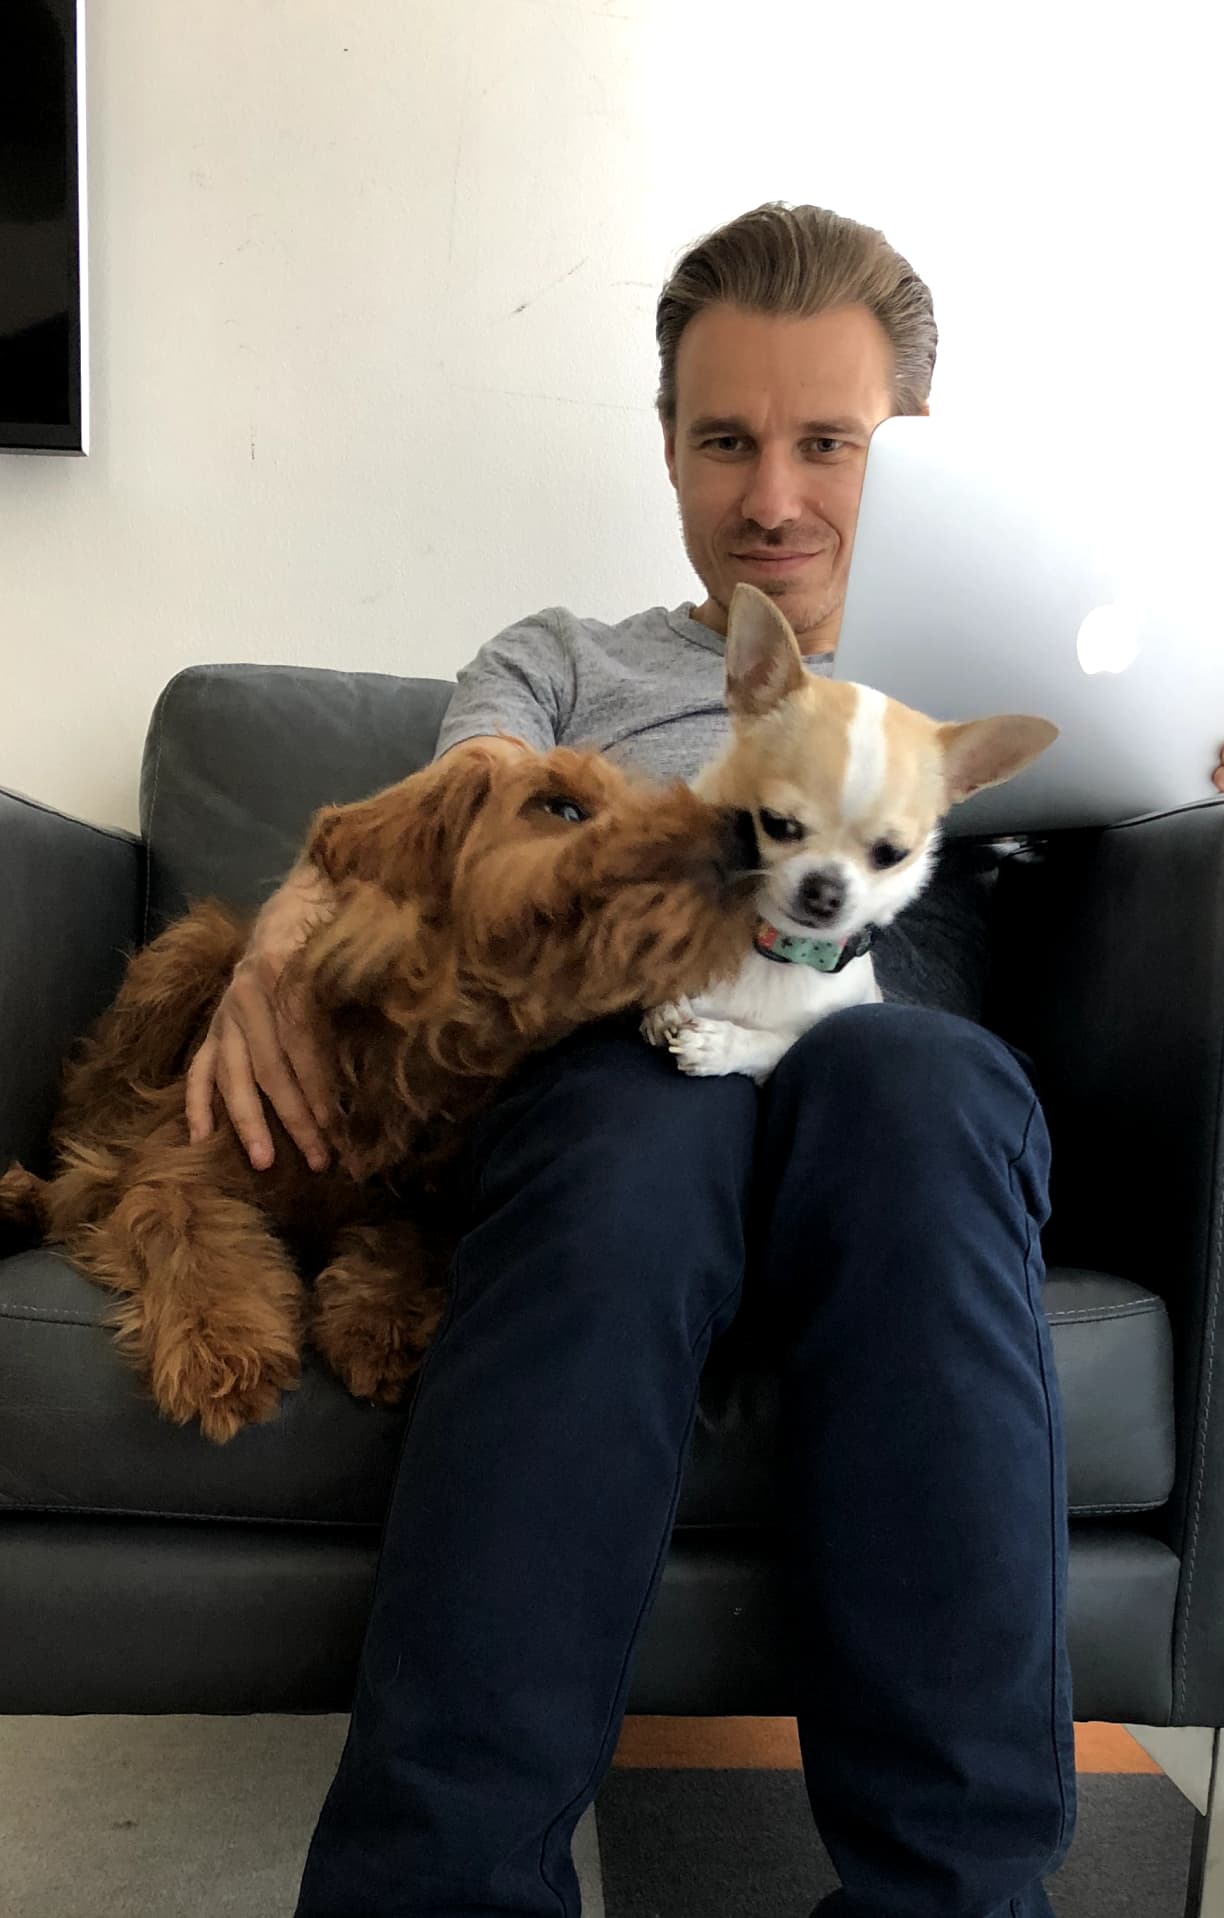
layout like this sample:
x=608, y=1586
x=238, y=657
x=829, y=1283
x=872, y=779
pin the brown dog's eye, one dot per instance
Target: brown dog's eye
x=567, y=809
x=778, y=826
x=884, y=854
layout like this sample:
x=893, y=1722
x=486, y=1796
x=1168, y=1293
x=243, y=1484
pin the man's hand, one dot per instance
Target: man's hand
x=1217, y=777
x=254, y=1043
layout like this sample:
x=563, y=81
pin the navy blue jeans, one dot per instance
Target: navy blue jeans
x=887, y=1190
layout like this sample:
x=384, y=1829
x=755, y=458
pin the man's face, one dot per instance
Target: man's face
x=773, y=418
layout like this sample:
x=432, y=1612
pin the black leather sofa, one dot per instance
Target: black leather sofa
x=146, y=1571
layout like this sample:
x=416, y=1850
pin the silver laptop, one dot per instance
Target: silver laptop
x=980, y=583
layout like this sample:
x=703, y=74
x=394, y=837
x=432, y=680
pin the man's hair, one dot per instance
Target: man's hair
x=800, y=260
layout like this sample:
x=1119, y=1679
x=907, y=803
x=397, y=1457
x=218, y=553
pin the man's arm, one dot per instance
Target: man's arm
x=521, y=683
x=1217, y=777
x=504, y=745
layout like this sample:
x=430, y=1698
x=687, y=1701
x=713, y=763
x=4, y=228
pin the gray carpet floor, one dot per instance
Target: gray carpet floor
x=210, y=1818
x=740, y=1844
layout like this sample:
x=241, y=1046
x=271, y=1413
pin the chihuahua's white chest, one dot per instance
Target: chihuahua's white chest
x=746, y=1023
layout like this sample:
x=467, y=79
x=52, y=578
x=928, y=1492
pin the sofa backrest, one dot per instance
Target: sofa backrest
x=237, y=758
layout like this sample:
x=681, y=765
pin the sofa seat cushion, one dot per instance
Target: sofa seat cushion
x=78, y=1432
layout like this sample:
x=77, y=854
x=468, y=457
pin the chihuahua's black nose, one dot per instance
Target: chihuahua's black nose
x=821, y=895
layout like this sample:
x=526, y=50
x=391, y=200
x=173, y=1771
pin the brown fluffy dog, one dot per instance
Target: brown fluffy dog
x=485, y=907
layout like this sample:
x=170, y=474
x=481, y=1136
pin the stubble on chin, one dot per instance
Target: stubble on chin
x=806, y=612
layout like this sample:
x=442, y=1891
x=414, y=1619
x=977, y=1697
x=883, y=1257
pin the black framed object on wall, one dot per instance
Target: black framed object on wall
x=43, y=308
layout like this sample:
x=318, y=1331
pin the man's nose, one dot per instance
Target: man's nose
x=773, y=497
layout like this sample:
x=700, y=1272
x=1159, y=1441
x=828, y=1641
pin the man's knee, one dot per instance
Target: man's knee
x=927, y=1091
x=892, y=1120
x=864, y=1052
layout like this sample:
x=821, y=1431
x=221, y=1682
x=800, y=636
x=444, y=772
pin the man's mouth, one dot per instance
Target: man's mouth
x=773, y=562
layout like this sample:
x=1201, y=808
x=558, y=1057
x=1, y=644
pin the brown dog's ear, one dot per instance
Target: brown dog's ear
x=984, y=752
x=404, y=839
x=764, y=663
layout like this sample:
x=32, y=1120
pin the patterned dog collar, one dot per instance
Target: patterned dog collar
x=825, y=955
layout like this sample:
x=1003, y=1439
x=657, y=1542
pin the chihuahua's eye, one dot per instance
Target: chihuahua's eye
x=778, y=826
x=567, y=809
x=884, y=854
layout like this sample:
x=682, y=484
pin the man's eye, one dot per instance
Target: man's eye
x=724, y=443
x=884, y=854
x=826, y=446
x=567, y=809
x=778, y=826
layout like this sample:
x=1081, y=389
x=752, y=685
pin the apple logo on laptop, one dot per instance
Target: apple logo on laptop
x=1107, y=641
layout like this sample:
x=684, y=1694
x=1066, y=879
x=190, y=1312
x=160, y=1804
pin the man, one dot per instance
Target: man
x=886, y=1192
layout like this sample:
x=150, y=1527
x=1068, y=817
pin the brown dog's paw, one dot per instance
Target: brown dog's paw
x=226, y=1390
x=23, y=1204
x=373, y=1350
x=225, y=1378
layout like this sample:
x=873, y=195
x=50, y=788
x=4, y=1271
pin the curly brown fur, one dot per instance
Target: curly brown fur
x=474, y=924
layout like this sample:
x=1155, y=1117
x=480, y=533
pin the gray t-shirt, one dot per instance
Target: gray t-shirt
x=649, y=693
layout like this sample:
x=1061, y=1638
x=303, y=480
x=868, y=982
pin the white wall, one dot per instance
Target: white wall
x=373, y=289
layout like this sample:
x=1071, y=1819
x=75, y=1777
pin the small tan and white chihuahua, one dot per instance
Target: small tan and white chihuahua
x=847, y=791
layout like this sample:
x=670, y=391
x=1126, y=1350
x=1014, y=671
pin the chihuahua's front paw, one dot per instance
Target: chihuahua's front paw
x=663, y=1023
x=706, y=1048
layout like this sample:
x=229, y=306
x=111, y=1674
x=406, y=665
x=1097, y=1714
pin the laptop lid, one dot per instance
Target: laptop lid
x=985, y=578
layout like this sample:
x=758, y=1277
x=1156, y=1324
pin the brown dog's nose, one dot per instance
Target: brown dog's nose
x=821, y=895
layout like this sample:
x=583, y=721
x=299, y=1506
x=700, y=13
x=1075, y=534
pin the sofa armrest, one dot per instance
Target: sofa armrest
x=70, y=914
x=1108, y=970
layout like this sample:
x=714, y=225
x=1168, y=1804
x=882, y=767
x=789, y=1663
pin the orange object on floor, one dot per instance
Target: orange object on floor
x=772, y=1744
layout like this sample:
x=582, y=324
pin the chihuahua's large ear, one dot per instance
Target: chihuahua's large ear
x=405, y=838
x=984, y=752
x=764, y=663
